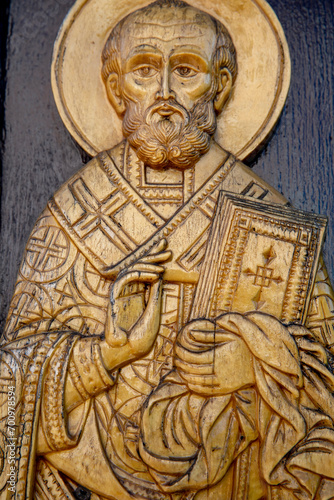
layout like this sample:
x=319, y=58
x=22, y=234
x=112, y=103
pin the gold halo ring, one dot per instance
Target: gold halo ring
x=259, y=93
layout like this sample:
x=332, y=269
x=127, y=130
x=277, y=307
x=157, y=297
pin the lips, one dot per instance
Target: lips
x=166, y=111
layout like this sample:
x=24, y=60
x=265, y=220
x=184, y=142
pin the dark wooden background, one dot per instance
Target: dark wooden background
x=38, y=154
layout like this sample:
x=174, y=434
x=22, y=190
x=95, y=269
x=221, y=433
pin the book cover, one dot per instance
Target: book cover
x=259, y=257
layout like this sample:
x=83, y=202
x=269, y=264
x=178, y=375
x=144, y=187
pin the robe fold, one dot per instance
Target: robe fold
x=285, y=411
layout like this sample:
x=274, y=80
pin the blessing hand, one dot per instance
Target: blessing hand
x=133, y=320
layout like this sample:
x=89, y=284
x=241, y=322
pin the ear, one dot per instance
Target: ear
x=225, y=83
x=114, y=93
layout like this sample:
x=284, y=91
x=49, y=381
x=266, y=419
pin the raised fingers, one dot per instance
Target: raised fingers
x=143, y=267
x=158, y=253
x=160, y=247
x=156, y=258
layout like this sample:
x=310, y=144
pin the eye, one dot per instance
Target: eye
x=145, y=71
x=185, y=71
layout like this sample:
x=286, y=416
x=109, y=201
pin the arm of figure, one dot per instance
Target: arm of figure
x=92, y=359
x=290, y=375
x=239, y=365
x=120, y=346
x=193, y=423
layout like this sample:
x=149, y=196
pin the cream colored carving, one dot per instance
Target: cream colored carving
x=171, y=332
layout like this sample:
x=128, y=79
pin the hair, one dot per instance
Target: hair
x=224, y=57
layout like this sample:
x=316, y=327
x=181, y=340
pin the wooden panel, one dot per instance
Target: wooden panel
x=39, y=154
x=298, y=161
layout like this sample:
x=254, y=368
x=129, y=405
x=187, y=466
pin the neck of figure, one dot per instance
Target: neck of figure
x=166, y=190
x=164, y=176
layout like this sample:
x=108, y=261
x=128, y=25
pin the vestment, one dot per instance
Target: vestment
x=61, y=297
x=270, y=437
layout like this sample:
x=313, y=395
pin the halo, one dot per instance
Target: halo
x=258, y=97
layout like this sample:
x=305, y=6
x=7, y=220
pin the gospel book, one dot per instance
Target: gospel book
x=261, y=257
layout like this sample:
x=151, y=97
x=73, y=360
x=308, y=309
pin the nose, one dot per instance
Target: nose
x=165, y=91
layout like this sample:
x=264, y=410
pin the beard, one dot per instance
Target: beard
x=176, y=140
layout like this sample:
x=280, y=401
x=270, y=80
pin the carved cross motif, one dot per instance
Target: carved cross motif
x=264, y=276
x=95, y=211
x=47, y=249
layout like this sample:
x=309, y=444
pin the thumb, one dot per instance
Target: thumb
x=147, y=327
x=114, y=336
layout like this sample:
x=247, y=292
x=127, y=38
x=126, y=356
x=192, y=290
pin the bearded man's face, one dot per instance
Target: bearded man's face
x=168, y=85
x=167, y=135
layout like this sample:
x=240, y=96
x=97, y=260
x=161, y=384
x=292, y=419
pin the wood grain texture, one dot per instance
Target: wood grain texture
x=39, y=154
x=298, y=160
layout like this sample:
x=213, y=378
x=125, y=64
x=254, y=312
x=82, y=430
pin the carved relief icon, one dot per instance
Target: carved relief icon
x=171, y=332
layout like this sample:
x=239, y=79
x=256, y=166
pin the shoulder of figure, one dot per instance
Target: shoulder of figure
x=243, y=180
x=88, y=187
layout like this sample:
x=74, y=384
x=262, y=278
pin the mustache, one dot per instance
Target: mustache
x=133, y=119
x=166, y=109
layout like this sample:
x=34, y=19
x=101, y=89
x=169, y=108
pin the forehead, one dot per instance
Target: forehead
x=167, y=30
